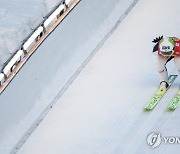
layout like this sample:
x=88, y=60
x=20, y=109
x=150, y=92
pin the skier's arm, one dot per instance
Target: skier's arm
x=156, y=40
x=155, y=48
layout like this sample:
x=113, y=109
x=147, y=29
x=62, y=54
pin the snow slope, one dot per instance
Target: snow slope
x=46, y=75
x=18, y=18
x=102, y=111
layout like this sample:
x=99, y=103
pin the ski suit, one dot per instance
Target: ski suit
x=162, y=60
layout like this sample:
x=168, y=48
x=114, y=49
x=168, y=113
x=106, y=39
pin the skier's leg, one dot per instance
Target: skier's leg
x=161, y=68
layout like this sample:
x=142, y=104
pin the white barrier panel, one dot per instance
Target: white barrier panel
x=50, y=20
x=69, y=2
x=33, y=39
x=7, y=69
x=11, y=65
x=54, y=16
x=19, y=55
x=62, y=7
x=2, y=78
x=60, y=10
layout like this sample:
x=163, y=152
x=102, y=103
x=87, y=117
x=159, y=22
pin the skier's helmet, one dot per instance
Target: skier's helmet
x=166, y=46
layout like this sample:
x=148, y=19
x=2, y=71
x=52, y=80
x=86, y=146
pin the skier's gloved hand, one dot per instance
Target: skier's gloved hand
x=157, y=39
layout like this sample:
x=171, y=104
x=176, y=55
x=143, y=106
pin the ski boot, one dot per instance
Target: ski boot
x=163, y=86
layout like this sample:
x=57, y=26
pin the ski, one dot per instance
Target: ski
x=158, y=95
x=174, y=103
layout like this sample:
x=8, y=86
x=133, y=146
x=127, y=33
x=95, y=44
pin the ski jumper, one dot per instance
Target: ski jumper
x=163, y=60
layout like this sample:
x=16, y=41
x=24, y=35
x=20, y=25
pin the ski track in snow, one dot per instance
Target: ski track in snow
x=132, y=74
x=102, y=110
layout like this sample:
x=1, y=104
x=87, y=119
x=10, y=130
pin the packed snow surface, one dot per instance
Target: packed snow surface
x=52, y=68
x=102, y=110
